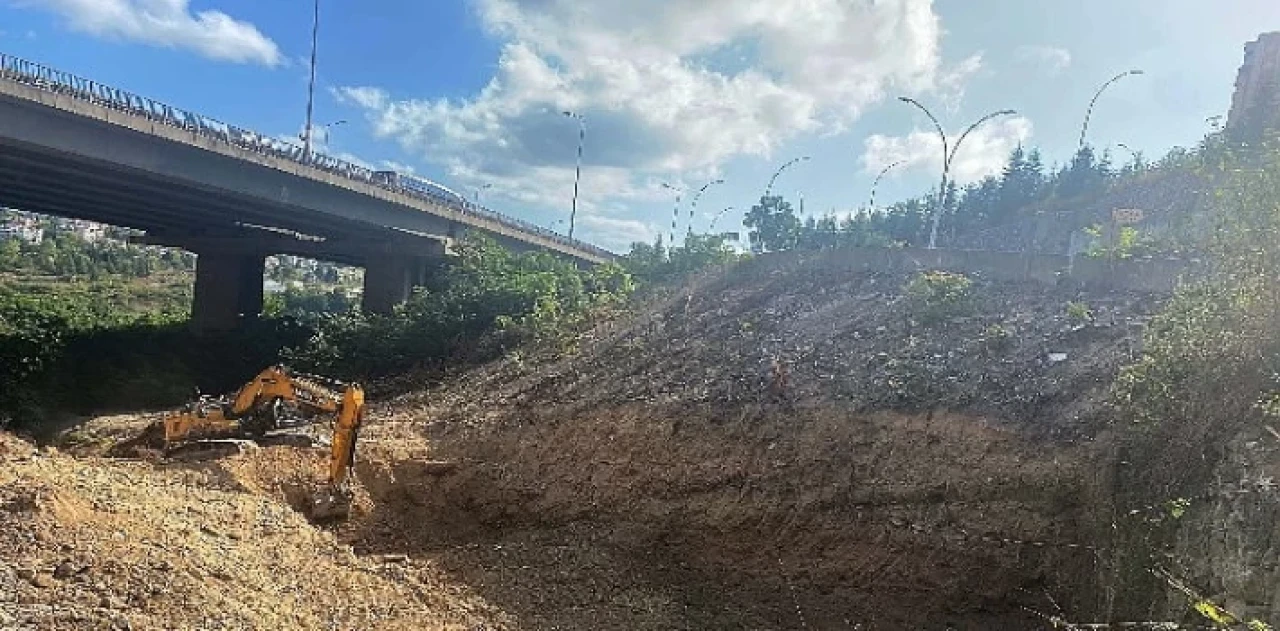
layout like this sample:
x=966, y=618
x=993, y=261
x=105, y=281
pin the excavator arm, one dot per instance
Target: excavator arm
x=334, y=501
x=255, y=408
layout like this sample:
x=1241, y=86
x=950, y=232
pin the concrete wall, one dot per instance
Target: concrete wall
x=1145, y=275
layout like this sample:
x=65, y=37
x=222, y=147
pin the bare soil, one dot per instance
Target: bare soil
x=653, y=477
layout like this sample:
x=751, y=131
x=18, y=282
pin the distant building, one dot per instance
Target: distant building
x=22, y=228
x=1255, y=107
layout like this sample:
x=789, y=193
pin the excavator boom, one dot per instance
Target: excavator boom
x=334, y=501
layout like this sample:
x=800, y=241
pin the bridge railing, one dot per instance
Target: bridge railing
x=42, y=77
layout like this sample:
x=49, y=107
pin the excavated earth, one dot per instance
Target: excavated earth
x=660, y=472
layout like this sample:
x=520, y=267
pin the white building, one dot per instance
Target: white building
x=25, y=231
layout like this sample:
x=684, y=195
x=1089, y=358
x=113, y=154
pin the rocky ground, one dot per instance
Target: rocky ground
x=655, y=477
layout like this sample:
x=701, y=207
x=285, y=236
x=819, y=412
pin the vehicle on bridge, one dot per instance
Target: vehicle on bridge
x=419, y=185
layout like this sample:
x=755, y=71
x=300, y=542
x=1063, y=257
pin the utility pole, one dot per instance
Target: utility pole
x=311, y=86
x=577, y=173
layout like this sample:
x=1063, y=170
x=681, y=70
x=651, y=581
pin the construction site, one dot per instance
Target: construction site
x=1011, y=432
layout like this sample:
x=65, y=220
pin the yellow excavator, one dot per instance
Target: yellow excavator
x=276, y=399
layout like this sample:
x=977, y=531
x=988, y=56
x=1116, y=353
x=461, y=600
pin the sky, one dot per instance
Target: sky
x=673, y=93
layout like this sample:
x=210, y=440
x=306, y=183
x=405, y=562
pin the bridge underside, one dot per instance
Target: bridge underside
x=231, y=237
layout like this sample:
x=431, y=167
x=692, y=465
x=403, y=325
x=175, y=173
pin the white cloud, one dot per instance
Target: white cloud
x=983, y=153
x=168, y=23
x=666, y=86
x=1050, y=58
x=612, y=233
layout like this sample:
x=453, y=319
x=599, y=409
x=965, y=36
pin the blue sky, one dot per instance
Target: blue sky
x=680, y=91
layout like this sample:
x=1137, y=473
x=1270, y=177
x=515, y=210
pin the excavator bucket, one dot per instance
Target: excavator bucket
x=329, y=505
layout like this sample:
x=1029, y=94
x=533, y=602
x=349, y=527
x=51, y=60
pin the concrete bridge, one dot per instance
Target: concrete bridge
x=76, y=148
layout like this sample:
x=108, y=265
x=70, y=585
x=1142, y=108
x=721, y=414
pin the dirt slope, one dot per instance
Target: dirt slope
x=656, y=477
x=901, y=462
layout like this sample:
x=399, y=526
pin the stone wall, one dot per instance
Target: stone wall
x=1160, y=276
x=1255, y=109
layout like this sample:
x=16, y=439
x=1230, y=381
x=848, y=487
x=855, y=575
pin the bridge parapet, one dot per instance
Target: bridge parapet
x=44, y=78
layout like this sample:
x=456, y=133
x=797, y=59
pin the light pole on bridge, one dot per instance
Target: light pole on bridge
x=311, y=85
x=577, y=173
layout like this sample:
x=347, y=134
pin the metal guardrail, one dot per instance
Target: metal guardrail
x=42, y=77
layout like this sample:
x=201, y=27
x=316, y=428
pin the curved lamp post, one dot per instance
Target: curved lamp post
x=948, y=155
x=875, y=185
x=712, y=227
x=1084, y=129
x=693, y=206
x=769, y=189
x=675, y=214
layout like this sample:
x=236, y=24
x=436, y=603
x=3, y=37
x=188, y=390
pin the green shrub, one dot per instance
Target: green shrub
x=939, y=296
x=1079, y=311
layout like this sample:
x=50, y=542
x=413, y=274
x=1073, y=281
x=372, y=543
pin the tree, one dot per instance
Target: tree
x=774, y=225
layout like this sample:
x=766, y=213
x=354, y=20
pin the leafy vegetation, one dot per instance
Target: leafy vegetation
x=488, y=301
x=1024, y=186
x=938, y=296
x=657, y=264
x=1209, y=366
x=65, y=254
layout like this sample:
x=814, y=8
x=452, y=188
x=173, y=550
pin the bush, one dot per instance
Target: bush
x=939, y=296
x=487, y=302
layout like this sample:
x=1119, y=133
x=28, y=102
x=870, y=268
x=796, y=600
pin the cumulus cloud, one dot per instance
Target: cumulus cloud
x=1051, y=58
x=168, y=23
x=666, y=86
x=613, y=233
x=983, y=153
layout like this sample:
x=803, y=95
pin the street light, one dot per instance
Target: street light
x=675, y=214
x=948, y=154
x=311, y=86
x=326, y=129
x=1132, y=154
x=694, y=205
x=577, y=173
x=1084, y=129
x=876, y=184
x=768, y=189
x=712, y=228
x=482, y=187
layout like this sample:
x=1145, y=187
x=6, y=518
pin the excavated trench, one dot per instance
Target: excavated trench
x=642, y=519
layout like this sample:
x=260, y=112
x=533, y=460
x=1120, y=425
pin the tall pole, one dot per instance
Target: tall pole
x=675, y=214
x=768, y=189
x=1084, y=129
x=577, y=172
x=948, y=154
x=693, y=207
x=875, y=185
x=311, y=86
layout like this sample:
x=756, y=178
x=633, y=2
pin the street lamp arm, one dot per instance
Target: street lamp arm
x=875, y=185
x=976, y=125
x=938, y=126
x=1084, y=129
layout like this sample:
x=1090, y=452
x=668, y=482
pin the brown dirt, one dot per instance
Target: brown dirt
x=908, y=477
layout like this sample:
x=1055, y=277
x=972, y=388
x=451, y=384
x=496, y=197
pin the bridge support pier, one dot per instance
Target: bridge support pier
x=228, y=290
x=389, y=280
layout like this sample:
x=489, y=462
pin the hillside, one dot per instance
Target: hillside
x=776, y=445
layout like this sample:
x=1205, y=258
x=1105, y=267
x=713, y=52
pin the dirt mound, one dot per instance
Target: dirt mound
x=660, y=476
x=90, y=544
x=897, y=462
